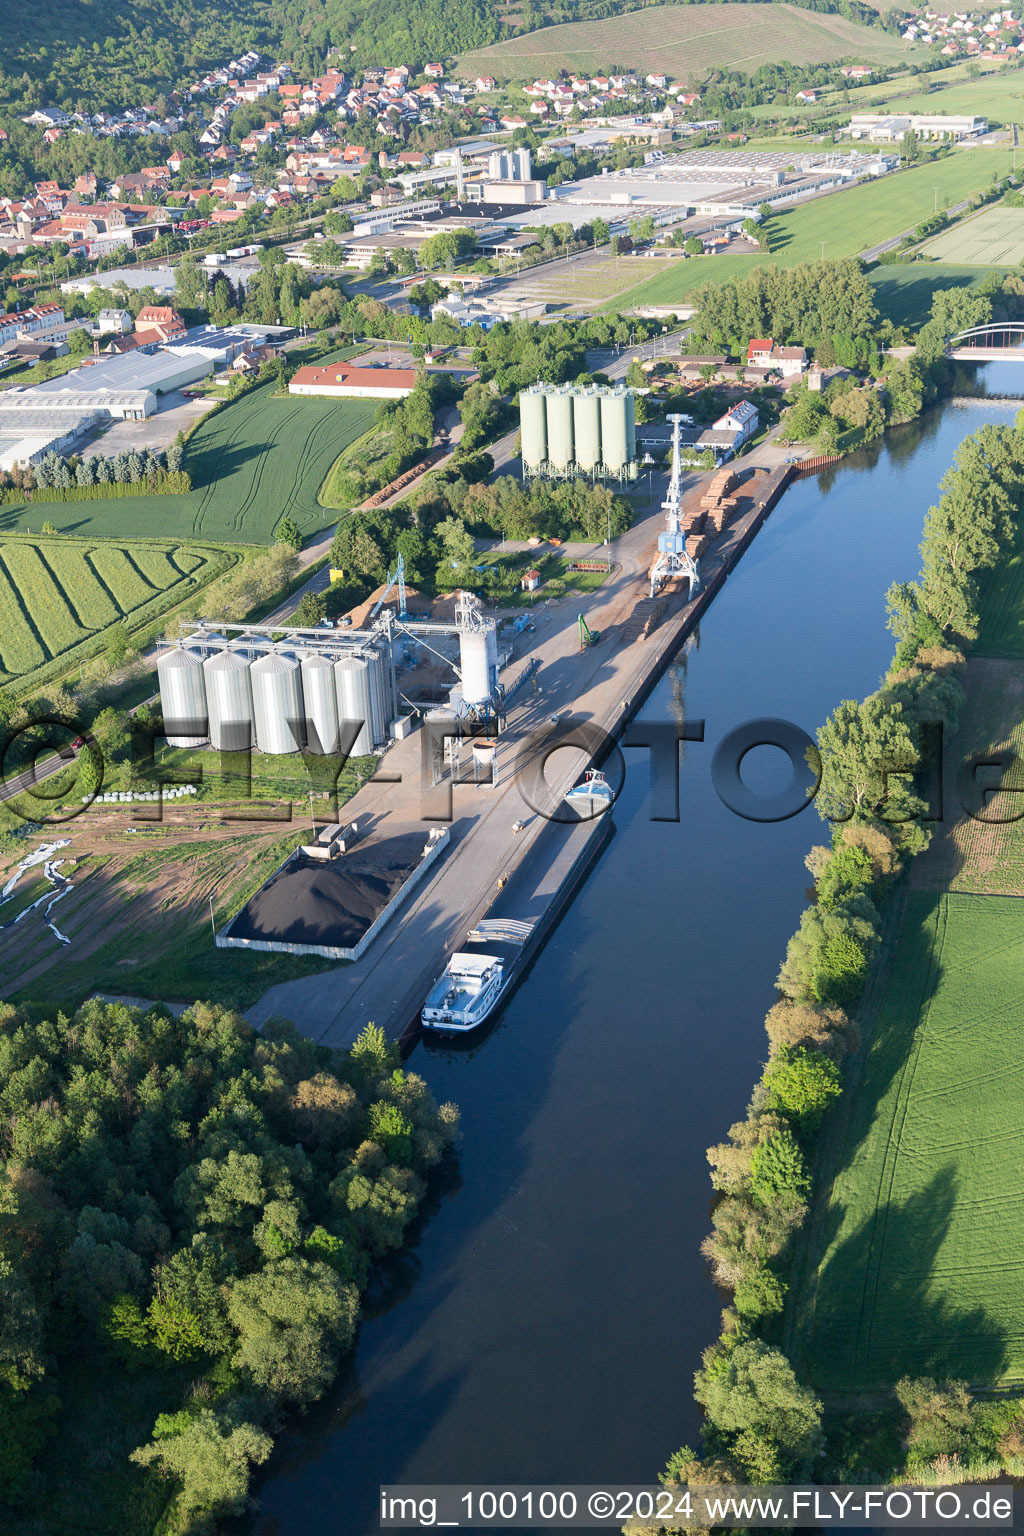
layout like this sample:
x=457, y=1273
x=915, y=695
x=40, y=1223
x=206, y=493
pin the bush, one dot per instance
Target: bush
x=801, y=1084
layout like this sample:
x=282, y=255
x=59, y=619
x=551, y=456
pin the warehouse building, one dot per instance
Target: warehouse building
x=27, y=436
x=344, y=382
x=883, y=129
x=108, y=404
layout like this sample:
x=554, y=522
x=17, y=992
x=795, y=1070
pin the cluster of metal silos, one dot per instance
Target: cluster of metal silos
x=278, y=699
x=566, y=429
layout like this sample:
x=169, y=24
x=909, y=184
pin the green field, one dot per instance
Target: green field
x=1002, y=610
x=904, y=293
x=915, y=93
x=251, y=463
x=58, y=595
x=684, y=41
x=923, y=1248
x=993, y=238
x=999, y=97
x=844, y=223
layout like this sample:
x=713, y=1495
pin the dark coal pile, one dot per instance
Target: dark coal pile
x=330, y=901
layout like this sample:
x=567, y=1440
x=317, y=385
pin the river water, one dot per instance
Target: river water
x=546, y=1324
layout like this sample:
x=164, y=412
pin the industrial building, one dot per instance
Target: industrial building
x=345, y=382
x=54, y=416
x=889, y=129
x=27, y=436
x=282, y=690
x=567, y=430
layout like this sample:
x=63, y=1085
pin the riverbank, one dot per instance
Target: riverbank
x=628, y=1049
x=890, y=1209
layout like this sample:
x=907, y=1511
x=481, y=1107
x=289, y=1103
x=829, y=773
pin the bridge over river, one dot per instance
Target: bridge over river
x=1000, y=342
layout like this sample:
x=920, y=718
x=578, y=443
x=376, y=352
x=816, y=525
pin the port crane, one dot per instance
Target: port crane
x=672, y=558
x=395, y=577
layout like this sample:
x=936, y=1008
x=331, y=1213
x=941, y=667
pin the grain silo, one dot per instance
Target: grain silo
x=630, y=427
x=478, y=663
x=379, y=720
x=586, y=411
x=352, y=680
x=183, y=697
x=614, y=432
x=321, y=704
x=533, y=429
x=559, y=414
x=229, y=700
x=277, y=707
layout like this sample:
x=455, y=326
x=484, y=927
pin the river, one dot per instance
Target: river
x=547, y=1322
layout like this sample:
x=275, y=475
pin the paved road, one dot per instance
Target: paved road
x=873, y=252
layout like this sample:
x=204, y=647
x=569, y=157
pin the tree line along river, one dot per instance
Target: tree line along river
x=546, y=1321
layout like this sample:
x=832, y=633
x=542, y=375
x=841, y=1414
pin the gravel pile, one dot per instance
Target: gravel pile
x=330, y=901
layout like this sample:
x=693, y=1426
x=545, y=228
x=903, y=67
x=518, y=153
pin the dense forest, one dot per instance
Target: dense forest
x=189, y=1210
x=73, y=53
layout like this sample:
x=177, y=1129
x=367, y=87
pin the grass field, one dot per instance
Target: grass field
x=904, y=294
x=686, y=40
x=993, y=238
x=999, y=97
x=58, y=595
x=922, y=1247
x=847, y=222
x=251, y=463
x=916, y=93
x=983, y=851
x=1002, y=610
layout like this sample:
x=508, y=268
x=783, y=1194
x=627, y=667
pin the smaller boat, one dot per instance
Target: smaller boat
x=593, y=797
x=475, y=980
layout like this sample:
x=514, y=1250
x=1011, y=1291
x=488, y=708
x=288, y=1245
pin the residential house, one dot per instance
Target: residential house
x=159, y=322
x=740, y=419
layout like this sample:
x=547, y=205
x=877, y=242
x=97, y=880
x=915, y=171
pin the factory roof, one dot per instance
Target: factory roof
x=358, y=378
x=26, y=423
x=71, y=398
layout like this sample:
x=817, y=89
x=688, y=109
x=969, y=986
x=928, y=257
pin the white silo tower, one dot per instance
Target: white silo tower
x=522, y=166
x=533, y=428
x=229, y=700
x=586, y=412
x=560, y=432
x=614, y=433
x=353, y=684
x=183, y=697
x=277, y=706
x=321, y=704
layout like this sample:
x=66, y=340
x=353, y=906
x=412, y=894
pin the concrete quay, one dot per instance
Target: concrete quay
x=498, y=843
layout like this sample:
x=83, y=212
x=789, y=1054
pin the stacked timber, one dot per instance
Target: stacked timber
x=719, y=486
x=696, y=544
x=644, y=619
x=719, y=501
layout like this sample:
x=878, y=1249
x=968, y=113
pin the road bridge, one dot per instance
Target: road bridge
x=1000, y=342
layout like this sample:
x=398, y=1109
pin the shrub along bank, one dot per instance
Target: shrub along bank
x=761, y=1424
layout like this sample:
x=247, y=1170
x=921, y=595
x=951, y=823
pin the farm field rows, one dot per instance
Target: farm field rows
x=260, y=458
x=58, y=594
x=921, y=1217
x=684, y=40
x=994, y=238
